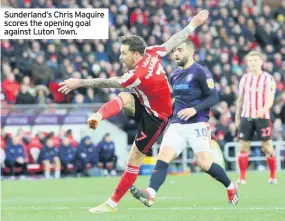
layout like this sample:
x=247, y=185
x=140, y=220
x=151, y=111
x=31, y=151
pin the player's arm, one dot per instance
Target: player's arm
x=209, y=91
x=239, y=104
x=239, y=101
x=113, y=82
x=74, y=83
x=178, y=38
x=128, y=80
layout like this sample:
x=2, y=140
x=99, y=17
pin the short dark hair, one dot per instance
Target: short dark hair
x=189, y=43
x=136, y=43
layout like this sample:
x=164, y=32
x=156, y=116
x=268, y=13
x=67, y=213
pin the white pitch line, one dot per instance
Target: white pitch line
x=210, y=208
x=153, y=208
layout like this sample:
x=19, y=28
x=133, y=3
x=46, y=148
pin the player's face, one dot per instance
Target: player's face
x=127, y=57
x=182, y=54
x=254, y=63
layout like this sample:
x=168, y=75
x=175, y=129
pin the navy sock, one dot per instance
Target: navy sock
x=218, y=173
x=158, y=175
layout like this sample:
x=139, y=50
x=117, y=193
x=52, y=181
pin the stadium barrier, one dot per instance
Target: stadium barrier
x=59, y=118
x=187, y=158
x=278, y=146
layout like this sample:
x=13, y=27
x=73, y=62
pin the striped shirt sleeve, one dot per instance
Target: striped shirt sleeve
x=160, y=50
x=129, y=80
x=270, y=85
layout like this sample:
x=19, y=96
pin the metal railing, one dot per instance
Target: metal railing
x=278, y=146
x=185, y=159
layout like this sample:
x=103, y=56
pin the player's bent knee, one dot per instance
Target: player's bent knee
x=127, y=98
x=244, y=146
x=166, y=154
x=204, y=160
x=267, y=146
x=205, y=164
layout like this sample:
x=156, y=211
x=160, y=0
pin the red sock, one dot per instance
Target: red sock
x=111, y=108
x=271, y=161
x=243, y=163
x=126, y=181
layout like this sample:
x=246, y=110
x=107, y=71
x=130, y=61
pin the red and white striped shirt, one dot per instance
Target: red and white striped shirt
x=255, y=90
x=149, y=83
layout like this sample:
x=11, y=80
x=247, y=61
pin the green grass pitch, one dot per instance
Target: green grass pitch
x=194, y=197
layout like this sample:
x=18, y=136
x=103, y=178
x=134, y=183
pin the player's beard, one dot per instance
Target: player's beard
x=129, y=65
x=182, y=62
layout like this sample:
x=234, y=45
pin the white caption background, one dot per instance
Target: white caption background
x=75, y=24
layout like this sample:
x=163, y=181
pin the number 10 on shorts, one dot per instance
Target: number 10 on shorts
x=202, y=132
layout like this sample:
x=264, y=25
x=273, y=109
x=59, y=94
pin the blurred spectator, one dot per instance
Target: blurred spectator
x=86, y=154
x=278, y=132
x=67, y=154
x=69, y=135
x=78, y=99
x=42, y=95
x=24, y=97
x=49, y=156
x=107, y=157
x=11, y=88
x=41, y=73
x=7, y=49
x=235, y=28
x=228, y=96
x=15, y=157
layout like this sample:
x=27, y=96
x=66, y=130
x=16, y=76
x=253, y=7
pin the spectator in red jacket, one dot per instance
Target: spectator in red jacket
x=11, y=88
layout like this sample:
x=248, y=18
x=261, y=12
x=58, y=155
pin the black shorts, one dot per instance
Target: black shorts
x=149, y=127
x=262, y=127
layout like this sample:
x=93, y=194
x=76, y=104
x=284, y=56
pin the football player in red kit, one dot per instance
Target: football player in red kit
x=149, y=102
x=256, y=97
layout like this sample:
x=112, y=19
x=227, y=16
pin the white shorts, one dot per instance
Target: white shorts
x=196, y=135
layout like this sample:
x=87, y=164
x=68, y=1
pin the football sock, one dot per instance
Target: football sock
x=57, y=174
x=158, y=176
x=125, y=183
x=111, y=108
x=243, y=163
x=218, y=173
x=271, y=161
x=47, y=174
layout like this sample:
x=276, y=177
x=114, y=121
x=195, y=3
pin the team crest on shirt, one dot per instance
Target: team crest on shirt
x=189, y=78
x=210, y=83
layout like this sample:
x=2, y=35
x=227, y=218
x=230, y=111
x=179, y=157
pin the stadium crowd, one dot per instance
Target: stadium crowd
x=64, y=153
x=32, y=68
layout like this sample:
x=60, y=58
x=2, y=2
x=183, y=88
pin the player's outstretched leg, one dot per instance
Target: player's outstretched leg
x=243, y=161
x=205, y=162
x=158, y=176
x=125, y=183
x=110, y=109
x=271, y=160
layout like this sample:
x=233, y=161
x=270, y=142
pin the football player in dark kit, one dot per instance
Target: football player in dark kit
x=194, y=92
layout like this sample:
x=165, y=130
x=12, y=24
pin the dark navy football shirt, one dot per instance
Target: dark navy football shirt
x=193, y=87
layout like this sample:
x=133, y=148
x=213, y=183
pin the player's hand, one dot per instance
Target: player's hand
x=69, y=85
x=200, y=18
x=261, y=112
x=237, y=122
x=186, y=113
